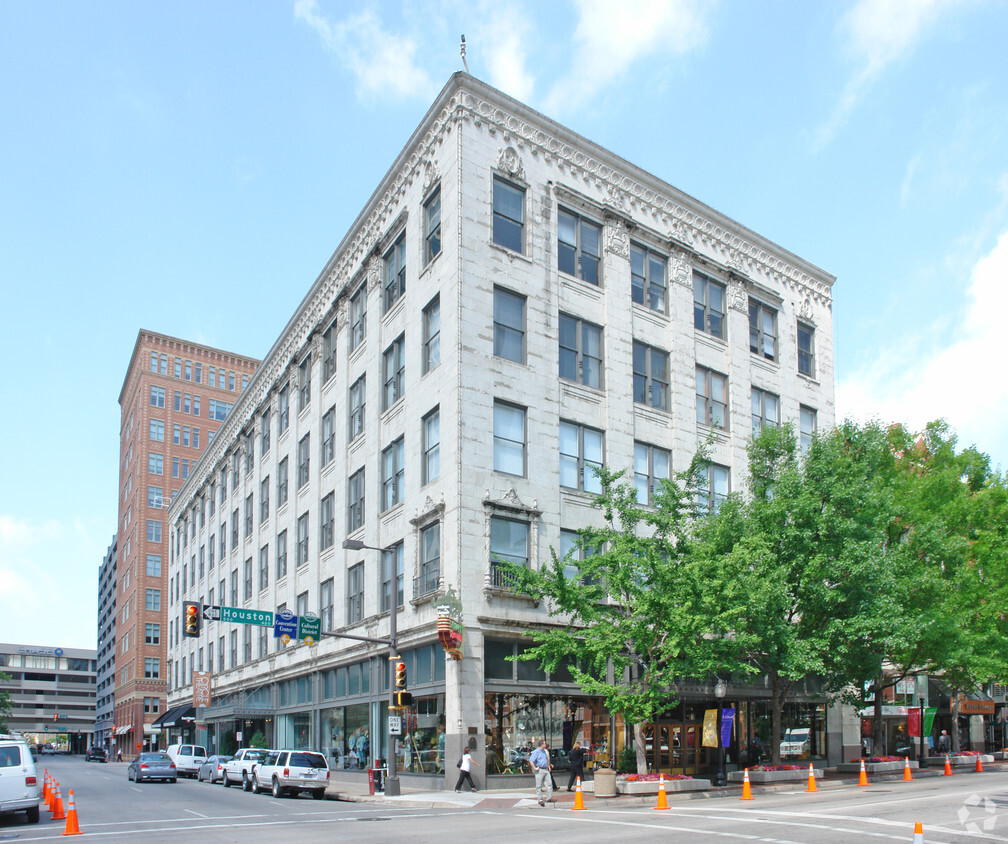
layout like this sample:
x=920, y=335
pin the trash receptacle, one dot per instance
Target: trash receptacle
x=605, y=782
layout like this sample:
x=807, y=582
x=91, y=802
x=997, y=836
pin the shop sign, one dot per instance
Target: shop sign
x=887, y=710
x=201, y=688
x=906, y=686
x=976, y=707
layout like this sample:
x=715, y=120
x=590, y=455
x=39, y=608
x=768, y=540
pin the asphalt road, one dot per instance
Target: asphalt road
x=963, y=808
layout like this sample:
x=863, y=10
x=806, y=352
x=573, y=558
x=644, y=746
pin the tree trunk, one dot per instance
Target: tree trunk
x=878, y=728
x=641, y=747
x=954, y=712
x=776, y=707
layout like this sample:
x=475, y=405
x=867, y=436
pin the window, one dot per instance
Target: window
x=358, y=317
x=281, y=554
x=164, y=365
x=392, y=475
x=355, y=500
x=198, y=373
x=178, y=367
x=234, y=529
x=302, y=539
x=153, y=531
x=231, y=381
x=807, y=427
x=762, y=330
x=647, y=278
x=392, y=568
x=328, y=447
x=263, y=567
x=355, y=593
x=217, y=409
x=157, y=430
x=195, y=437
x=223, y=541
x=765, y=409
x=509, y=325
x=264, y=491
x=248, y=515
x=578, y=246
x=247, y=644
x=355, y=424
x=711, y=398
x=152, y=634
x=431, y=459
x=432, y=335
x=234, y=649
x=304, y=460
x=234, y=587
x=248, y=579
x=393, y=364
x=153, y=361
x=326, y=604
x=304, y=383
x=282, y=483
x=157, y=395
x=153, y=565
x=651, y=465
x=712, y=488
x=580, y=351
x=394, y=267
x=650, y=376
x=283, y=408
x=152, y=668
x=580, y=451
x=220, y=648
x=223, y=486
x=509, y=540
x=155, y=463
x=329, y=353
x=211, y=376
x=509, y=438
x=176, y=435
x=249, y=454
x=210, y=548
x=508, y=215
x=152, y=599
x=327, y=513
x=432, y=226
x=264, y=446
x=806, y=349
x=708, y=305
x=429, y=576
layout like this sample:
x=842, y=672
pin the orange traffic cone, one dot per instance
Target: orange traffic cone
x=811, y=779
x=578, y=799
x=45, y=787
x=948, y=766
x=979, y=766
x=918, y=833
x=71, y=821
x=662, y=799
x=746, y=788
x=53, y=785
x=863, y=779
x=59, y=813
x=907, y=776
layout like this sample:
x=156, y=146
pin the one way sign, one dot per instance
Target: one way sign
x=211, y=612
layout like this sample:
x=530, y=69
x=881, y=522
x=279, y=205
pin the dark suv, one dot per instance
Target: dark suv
x=96, y=754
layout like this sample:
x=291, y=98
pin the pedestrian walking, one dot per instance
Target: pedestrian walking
x=465, y=767
x=118, y=754
x=577, y=757
x=540, y=762
x=944, y=742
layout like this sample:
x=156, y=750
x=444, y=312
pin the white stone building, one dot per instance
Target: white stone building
x=513, y=304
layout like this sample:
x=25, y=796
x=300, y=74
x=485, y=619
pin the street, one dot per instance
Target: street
x=965, y=808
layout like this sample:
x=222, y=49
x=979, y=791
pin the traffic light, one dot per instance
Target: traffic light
x=193, y=613
x=56, y=717
x=403, y=698
x=400, y=675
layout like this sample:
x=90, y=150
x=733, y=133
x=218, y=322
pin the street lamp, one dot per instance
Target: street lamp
x=921, y=759
x=391, y=781
x=720, y=690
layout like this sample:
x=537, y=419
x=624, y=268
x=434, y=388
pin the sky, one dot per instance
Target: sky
x=189, y=167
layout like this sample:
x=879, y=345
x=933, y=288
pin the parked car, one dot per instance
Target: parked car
x=239, y=767
x=152, y=766
x=187, y=758
x=291, y=772
x=213, y=769
x=19, y=788
x=96, y=754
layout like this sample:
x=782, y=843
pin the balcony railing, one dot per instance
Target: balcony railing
x=426, y=583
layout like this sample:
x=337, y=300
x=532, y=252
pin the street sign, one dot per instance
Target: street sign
x=238, y=615
x=285, y=627
x=394, y=725
x=211, y=613
x=309, y=628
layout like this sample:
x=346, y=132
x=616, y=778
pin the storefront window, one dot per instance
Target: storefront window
x=421, y=748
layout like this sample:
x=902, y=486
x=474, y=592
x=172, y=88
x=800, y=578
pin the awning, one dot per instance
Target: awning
x=185, y=713
x=126, y=728
x=167, y=715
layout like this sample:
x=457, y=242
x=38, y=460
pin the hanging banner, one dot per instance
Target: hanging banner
x=727, y=719
x=914, y=722
x=710, y=728
x=929, y=716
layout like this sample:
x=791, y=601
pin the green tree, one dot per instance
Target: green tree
x=5, y=702
x=641, y=612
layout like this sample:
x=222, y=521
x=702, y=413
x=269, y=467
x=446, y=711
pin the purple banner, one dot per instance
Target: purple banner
x=727, y=718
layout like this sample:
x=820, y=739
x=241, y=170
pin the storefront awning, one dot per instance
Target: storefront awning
x=179, y=715
x=126, y=728
x=167, y=715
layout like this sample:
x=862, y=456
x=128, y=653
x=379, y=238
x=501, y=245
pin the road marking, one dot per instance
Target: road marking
x=197, y=814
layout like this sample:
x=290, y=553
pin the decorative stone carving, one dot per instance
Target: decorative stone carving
x=510, y=162
x=805, y=310
x=430, y=175
x=738, y=299
x=616, y=236
x=373, y=271
x=681, y=268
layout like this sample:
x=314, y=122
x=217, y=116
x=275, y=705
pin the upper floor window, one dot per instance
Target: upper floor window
x=508, y=215
x=431, y=459
x=509, y=541
x=355, y=500
x=283, y=408
x=157, y=428
x=509, y=325
x=711, y=398
x=580, y=351
x=326, y=604
x=302, y=539
x=509, y=438
x=355, y=593
x=708, y=305
x=395, y=272
x=647, y=278
x=806, y=349
x=355, y=406
x=392, y=474
x=651, y=465
x=282, y=482
x=328, y=446
x=712, y=488
x=392, y=561
x=765, y=409
x=580, y=455
x=329, y=352
x=304, y=383
x=807, y=423
x=432, y=334
x=429, y=578
x=265, y=442
x=432, y=226
x=157, y=396
x=578, y=246
x=327, y=517
x=358, y=316
x=762, y=330
x=393, y=365
x=304, y=460
x=650, y=376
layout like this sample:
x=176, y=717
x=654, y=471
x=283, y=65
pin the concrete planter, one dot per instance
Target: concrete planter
x=1000, y=755
x=769, y=777
x=963, y=761
x=651, y=787
x=604, y=784
x=878, y=767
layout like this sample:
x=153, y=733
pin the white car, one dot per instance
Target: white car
x=19, y=789
x=239, y=767
x=187, y=758
x=291, y=772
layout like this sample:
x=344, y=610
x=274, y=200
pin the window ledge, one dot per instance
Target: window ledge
x=431, y=262
x=809, y=379
x=510, y=253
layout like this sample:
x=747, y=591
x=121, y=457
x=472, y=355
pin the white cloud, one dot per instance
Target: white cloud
x=958, y=381
x=876, y=33
x=383, y=63
x=505, y=34
x=608, y=40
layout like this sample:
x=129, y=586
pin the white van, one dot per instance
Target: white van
x=19, y=788
x=187, y=758
x=796, y=743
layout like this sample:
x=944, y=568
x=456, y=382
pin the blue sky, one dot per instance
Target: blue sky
x=189, y=167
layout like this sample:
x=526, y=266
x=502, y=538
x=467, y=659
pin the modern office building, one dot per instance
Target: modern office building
x=52, y=694
x=104, y=727
x=513, y=306
x=174, y=398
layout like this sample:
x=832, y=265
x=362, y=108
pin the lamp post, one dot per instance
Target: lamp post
x=921, y=759
x=720, y=690
x=391, y=781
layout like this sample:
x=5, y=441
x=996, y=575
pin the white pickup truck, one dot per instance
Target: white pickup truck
x=239, y=767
